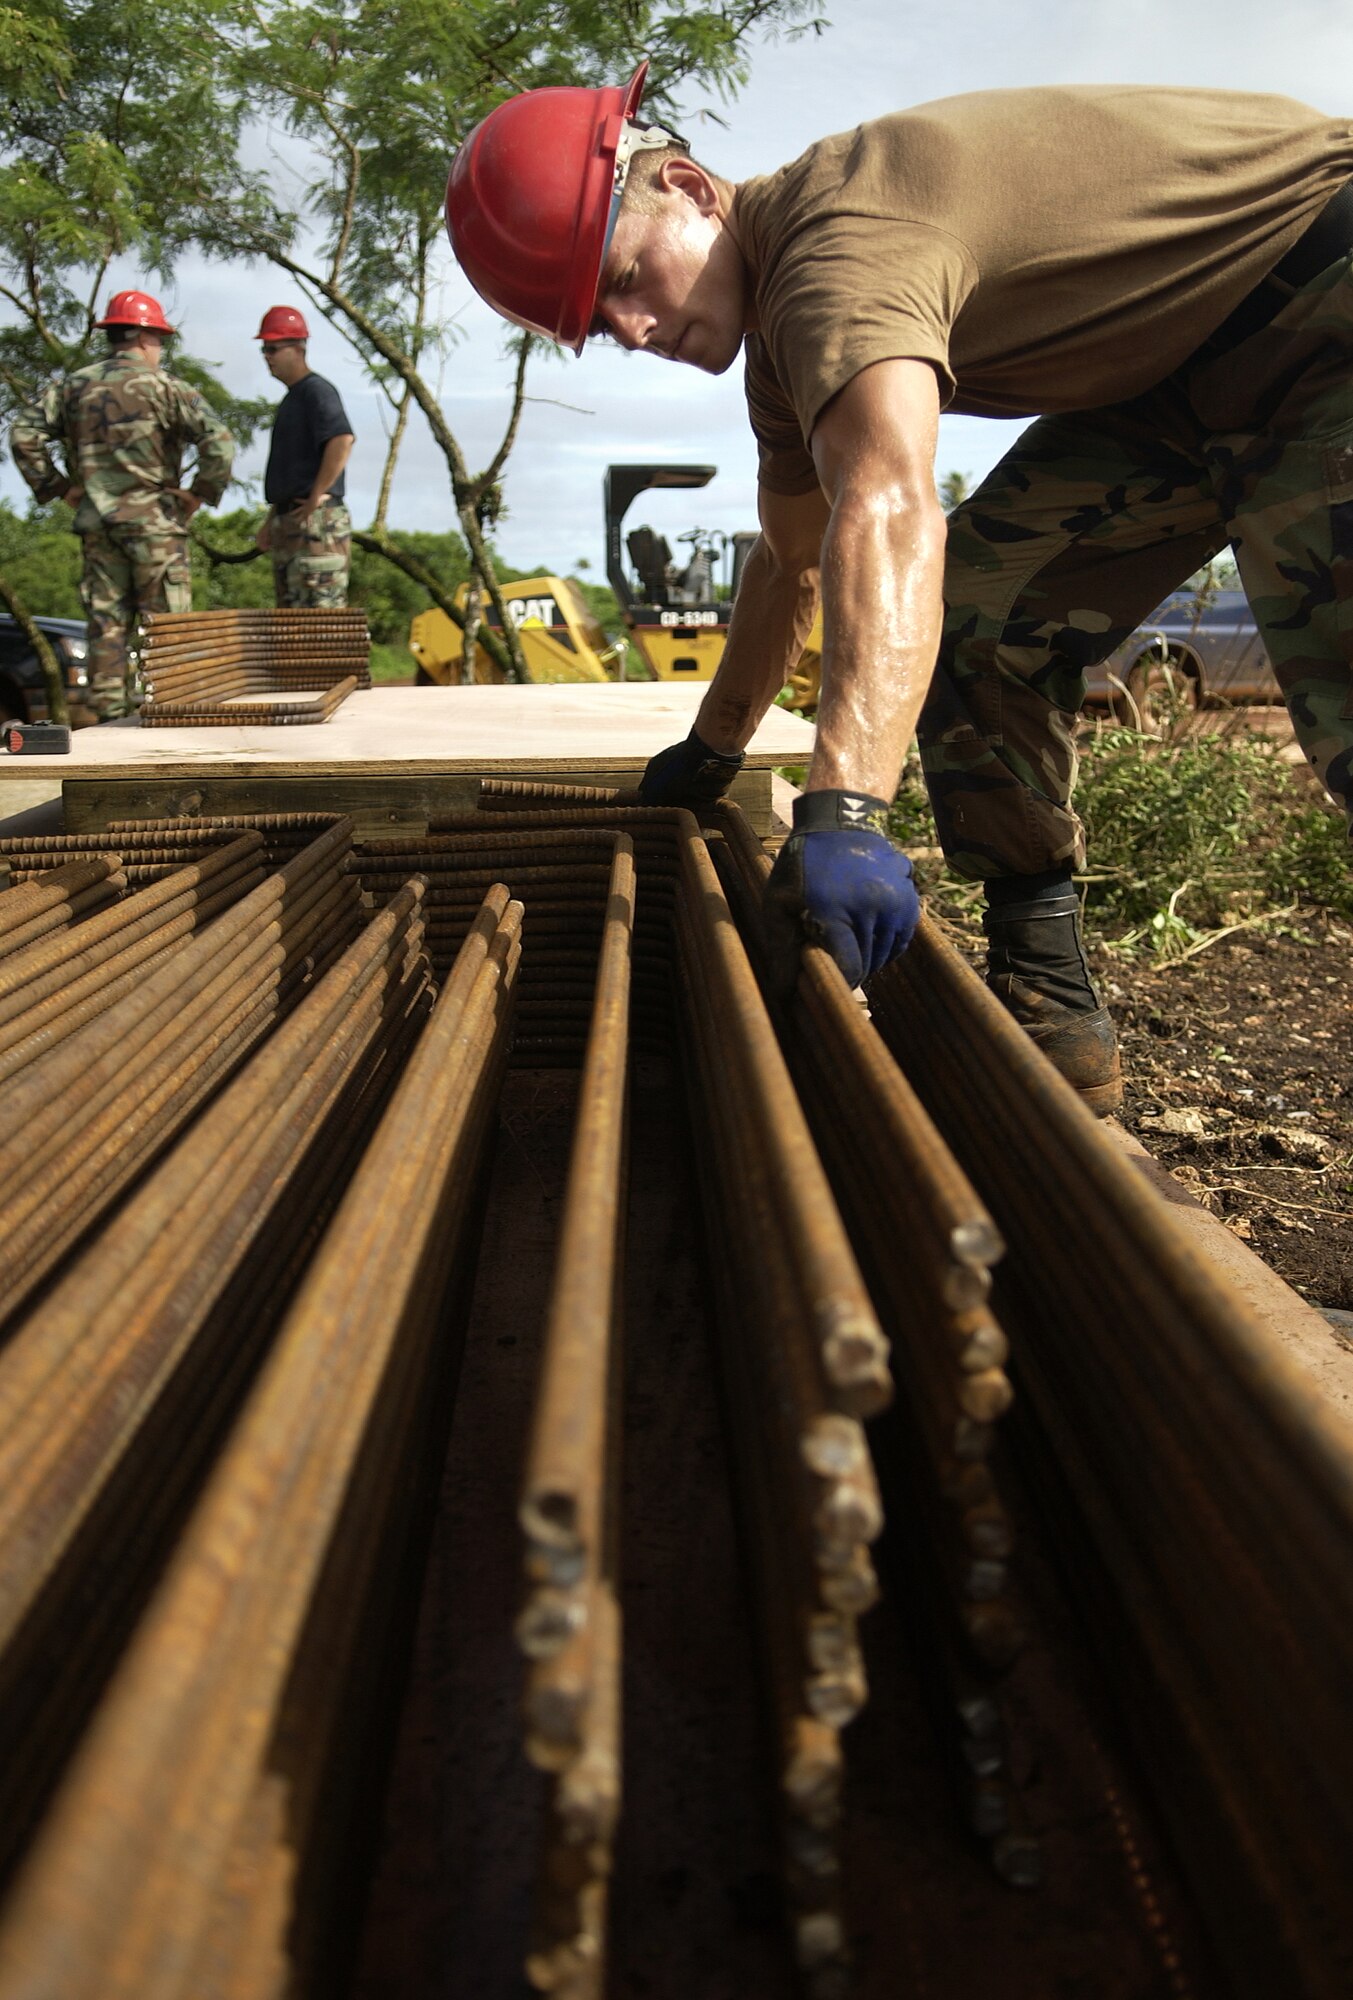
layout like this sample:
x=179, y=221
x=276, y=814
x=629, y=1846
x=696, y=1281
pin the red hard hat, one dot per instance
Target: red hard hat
x=532, y=199
x=135, y=309
x=283, y=323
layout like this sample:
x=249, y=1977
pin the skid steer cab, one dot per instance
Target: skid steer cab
x=678, y=609
x=561, y=639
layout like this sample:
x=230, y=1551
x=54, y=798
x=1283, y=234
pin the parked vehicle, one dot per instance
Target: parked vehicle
x=23, y=693
x=1202, y=649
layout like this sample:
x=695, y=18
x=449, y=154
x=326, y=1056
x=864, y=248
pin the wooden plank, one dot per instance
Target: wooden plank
x=572, y=730
x=378, y=802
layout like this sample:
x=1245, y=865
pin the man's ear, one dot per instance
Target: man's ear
x=680, y=174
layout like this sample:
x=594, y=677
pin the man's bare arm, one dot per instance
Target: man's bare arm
x=336, y=453
x=882, y=573
x=774, y=611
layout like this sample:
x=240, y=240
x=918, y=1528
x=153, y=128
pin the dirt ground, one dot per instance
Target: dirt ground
x=1239, y=1067
x=1238, y=1064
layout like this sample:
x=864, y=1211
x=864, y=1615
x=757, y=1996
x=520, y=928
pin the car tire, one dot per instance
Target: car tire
x=13, y=707
x=1155, y=692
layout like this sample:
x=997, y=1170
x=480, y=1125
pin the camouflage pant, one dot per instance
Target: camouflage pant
x=310, y=559
x=1092, y=519
x=126, y=571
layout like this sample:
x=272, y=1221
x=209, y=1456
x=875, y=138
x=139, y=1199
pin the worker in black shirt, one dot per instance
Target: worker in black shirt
x=308, y=532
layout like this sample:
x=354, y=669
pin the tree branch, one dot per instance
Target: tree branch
x=381, y=545
x=489, y=477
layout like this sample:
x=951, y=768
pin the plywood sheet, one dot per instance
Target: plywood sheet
x=439, y=730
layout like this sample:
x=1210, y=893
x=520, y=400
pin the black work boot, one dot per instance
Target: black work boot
x=1036, y=968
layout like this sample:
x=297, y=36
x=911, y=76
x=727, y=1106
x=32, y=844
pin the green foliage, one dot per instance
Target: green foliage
x=1312, y=861
x=114, y=115
x=1187, y=836
x=393, y=599
x=392, y=666
x=40, y=557
x=1183, y=838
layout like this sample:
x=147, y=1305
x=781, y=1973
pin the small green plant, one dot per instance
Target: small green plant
x=1187, y=836
x=392, y=665
x=1191, y=835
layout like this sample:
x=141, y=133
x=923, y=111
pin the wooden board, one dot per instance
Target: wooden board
x=501, y=729
x=391, y=756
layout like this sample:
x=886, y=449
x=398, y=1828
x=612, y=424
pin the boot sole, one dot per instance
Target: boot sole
x=1103, y=1099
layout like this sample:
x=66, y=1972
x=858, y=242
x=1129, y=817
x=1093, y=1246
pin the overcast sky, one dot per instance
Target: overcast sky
x=879, y=56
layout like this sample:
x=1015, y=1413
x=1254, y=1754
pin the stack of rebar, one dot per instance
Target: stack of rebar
x=244, y=1155
x=53, y=986
x=149, y=1333
x=570, y=1626
x=1202, y=1492
x=927, y=1245
x=151, y=848
x=209, y=1820
x=54, y=897
x=253, y=666
x=804, y=1355
x=561, y=870
x=91, y=1108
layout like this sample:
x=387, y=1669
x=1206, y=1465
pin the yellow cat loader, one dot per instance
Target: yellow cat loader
x=561, y=639
x=675, y=611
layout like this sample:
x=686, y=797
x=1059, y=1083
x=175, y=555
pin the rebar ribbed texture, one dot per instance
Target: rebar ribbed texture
x=251, y=1102
x=251, y=667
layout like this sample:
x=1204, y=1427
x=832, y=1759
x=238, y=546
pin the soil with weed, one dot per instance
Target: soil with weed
x=1239, y=1079
x=1219, y=918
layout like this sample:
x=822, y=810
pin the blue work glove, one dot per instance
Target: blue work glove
x=840, y=883
x=688, y=774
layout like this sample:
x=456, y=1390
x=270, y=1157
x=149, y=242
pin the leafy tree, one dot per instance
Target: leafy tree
x=125, y=142
x=111, y=104
x=382, y=91
x=40, y=558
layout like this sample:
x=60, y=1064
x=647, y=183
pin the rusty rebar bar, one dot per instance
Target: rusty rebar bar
x=167, y=1788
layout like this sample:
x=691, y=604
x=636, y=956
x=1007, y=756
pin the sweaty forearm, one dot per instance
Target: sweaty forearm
x=773, y=614
x=882, y=579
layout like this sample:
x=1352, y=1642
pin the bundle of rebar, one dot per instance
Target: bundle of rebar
x=246, y=1198
x=898, y=1185
x=206, y=1824
x=151, y=848
x=1202, y=1490
x=562, y=869
x=804, y=1356
x=51, y=988
x=115, y=1386
x=55, y=898
x=251, y=666
x=90, y=1109
x=570, y=1625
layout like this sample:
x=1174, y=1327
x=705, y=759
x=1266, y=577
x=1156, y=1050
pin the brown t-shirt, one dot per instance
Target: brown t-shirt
x=1045, y=250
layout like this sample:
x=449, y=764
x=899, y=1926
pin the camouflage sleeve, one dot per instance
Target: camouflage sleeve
x=34, y=430
x=215, y=448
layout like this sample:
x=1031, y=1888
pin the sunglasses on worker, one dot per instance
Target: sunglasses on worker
x=276, y=346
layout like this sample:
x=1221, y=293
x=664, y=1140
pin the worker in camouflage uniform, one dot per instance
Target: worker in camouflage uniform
x=1164, y=278
x=123, y=427
x=308, y=532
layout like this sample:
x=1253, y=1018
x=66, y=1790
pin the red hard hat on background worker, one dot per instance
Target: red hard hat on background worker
x=283, y=323
x=533, y=196
x=135, y=309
